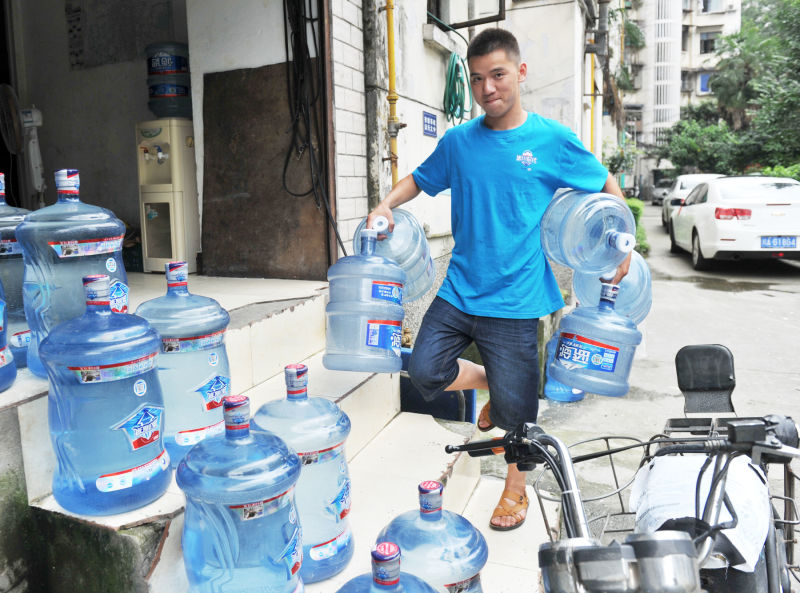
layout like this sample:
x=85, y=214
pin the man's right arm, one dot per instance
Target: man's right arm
x=405, y=190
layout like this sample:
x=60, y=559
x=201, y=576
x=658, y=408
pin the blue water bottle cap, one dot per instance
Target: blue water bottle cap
x=386, y=563
x=236, y=410
x=296, y=381
x=96, y=289
x=177, y=273
x=68, y=181
x=430, y=496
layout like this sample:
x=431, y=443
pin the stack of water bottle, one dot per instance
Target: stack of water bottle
x=593, y=348
x=133, y=397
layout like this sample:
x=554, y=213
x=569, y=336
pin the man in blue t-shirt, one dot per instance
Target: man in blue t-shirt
x=502, y=169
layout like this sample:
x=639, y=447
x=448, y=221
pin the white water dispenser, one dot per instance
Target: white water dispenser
x=168, y=209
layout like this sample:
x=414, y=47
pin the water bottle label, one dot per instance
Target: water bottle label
x=339, y=507
x=86, y=246
x=20, y=339
x=384, y=333
x=2, y=313
x=213, y=390
x=165, y=90
x=578, y=352
x=330, y=548
x=163, y=63
x=144, y=427
x=262, y=508
x=118, y=297
x=188, y=438
x=387, y=291
x=10, y=247
x=193, y=343
x=115, y=372
x=470, y=585
x=111, y=265
x=6, y=357
x=131, y=477
x=293, y=553
x=321, y=456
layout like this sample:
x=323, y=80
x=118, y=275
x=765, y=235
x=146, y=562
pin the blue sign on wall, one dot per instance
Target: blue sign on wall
x=429, y=124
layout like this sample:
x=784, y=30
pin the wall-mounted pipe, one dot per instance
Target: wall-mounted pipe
x=394, y=124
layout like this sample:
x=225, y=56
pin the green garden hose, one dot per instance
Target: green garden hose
x=455, y=96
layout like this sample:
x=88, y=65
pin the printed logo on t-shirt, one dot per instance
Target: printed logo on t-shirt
x=527, y=159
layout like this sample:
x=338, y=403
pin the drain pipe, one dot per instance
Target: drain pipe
x=394, y=124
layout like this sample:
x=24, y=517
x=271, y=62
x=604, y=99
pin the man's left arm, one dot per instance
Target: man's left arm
x=612, y=187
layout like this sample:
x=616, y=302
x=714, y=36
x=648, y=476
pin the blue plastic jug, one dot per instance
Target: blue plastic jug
x=364, y=316
x=193, y=366
x=316, y=428
x=592, y=233
x=8, y=370
x=554, y=390
x=386, y=576
x=105, y=408
x=241, y=531
x=440, y=547
x=406, y=246
x=635, y=290
x=61, y=244
x=596, y=347
x=11, y=269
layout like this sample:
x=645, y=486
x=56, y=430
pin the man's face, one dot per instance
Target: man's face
x=495, y=80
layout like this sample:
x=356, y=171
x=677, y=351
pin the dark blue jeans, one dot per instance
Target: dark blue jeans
x=508, y=348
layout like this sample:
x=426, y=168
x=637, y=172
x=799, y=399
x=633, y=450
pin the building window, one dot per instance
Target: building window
x=686, y=81
x=708, y=42
x=712, y=5
x=459, y=14
x=685, y=38
x=705, y=86
x=687, y=5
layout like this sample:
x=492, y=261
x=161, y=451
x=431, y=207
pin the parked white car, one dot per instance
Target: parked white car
x=660, y=191
x=748, y=217
x=681, y=187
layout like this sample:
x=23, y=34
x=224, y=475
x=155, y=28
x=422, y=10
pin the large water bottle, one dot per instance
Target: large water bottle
x=105, y=408
x=407, y=246
x=386, y=576
x=635, y=289
x=8, y=370
x=553, y=389
x=61, y=244
x=241, y=531
x=596, y=347
x=316, y=428
x=193, y=366
x=440, y=547
x=11, y=268
x=589, y=232
x=364, y=316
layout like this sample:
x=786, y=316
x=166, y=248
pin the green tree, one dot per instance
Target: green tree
x=694, y=147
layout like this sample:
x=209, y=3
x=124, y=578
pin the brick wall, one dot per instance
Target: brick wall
x=349, y=116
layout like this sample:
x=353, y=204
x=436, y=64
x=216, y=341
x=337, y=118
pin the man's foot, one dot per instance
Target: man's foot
x=510, y=512
x=484, y=423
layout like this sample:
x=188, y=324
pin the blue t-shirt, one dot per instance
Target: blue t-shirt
x=501, y=181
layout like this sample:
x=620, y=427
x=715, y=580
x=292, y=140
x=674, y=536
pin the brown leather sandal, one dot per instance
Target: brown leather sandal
x=483, y=416
x=504, y=509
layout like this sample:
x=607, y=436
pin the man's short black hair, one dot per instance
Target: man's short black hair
x=490, y=40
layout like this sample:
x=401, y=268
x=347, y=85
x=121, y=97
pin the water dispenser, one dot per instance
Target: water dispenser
x=168, y=208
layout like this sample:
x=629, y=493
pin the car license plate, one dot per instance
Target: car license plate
x=778, y=242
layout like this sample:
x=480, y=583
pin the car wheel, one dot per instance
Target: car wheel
x=698, y=261
x=673, y=246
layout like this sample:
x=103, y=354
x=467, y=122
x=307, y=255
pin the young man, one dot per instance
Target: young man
x=502, y=169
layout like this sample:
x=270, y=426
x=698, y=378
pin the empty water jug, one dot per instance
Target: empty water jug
x=61, y=244
x=596, y=347
x=406, y=246
x=440, y=547
x=241, y=531
x=589, y=232
x=8, y=370
x=105, y=408
x=553, y=389
x=364, y=316
x=316, y=428
x=386, y=575
x=11, y=269
x=635, y=290
x=193, y=366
